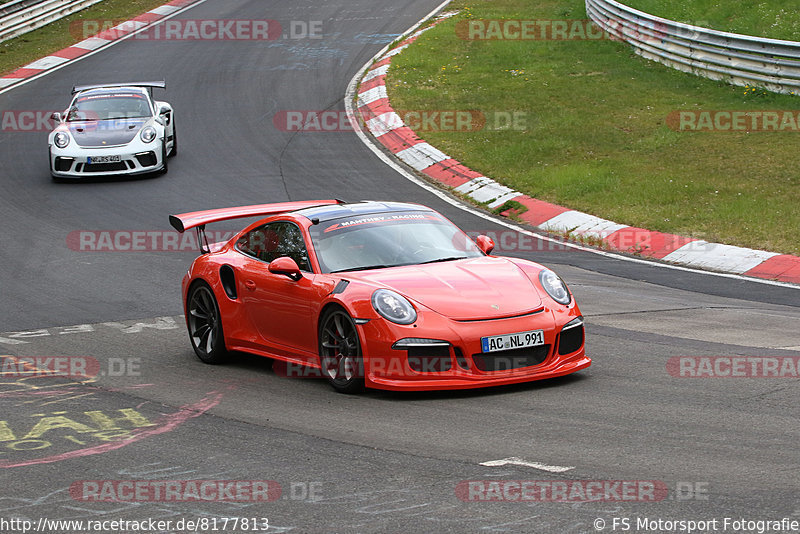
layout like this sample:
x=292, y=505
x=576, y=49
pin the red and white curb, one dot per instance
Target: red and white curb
x=387, y=127
x=94, y=43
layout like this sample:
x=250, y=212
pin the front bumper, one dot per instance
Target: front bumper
x=462, y=364
x=73, y=162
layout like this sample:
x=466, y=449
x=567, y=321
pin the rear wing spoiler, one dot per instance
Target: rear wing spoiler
x=150, y=85
x=199, y=219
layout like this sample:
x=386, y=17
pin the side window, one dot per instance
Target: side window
x=274, y=240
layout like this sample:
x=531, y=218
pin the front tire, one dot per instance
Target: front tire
x=340, y=352
x=56, y=179
x=174, y=150
x=165, y=168
x=205, y=324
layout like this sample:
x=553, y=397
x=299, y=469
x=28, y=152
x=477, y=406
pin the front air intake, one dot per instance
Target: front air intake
x=507, y=360
x=571, y=338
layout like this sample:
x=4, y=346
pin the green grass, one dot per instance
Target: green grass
x=596, y=138
x=29, y=47
x=779, y=19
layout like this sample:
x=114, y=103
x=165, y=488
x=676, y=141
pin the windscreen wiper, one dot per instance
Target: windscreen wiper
x=451, y=258
x=363, y=268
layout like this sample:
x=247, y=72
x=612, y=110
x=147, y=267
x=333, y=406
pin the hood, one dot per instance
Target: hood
x=102, y=133
x=464, y=290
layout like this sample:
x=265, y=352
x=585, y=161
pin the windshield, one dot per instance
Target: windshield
x=389, y=240
x=109, y=106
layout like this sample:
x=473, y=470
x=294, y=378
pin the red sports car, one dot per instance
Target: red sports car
x=379, y=294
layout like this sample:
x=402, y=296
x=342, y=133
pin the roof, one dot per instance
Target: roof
x=338, y=211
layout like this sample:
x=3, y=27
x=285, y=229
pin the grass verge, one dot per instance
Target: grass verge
x=767, y=18
x=595, y=136
x=62, y=33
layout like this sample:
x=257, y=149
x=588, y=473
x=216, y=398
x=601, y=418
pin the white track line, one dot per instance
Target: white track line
x=370, y=143
x=524, y=463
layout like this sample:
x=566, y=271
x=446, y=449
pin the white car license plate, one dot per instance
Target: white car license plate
x=103, y=159
x=519, y=340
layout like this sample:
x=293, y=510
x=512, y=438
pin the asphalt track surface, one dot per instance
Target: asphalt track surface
x=380, y=462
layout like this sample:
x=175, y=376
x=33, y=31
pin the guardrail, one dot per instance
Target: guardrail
x=7, y=8
x=21, y=16
x=738, y=59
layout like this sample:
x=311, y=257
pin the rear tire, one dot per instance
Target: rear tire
x=340, y=356
x=205, y=324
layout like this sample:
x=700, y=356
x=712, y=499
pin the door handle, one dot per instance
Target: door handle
x=249, y=284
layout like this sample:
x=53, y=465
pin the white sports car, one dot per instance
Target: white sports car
x=112, y=129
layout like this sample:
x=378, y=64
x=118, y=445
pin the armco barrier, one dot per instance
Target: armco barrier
x=22, y=16
x=738, y=59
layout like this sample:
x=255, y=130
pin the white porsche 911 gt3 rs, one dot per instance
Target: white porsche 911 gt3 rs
x=112, y=129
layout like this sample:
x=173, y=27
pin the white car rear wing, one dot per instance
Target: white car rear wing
x=150, y=85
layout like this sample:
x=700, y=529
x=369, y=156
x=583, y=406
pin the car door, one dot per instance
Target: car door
x=281, y=310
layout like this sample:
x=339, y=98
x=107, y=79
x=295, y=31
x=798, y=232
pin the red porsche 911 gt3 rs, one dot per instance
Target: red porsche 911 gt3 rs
x=379, y=294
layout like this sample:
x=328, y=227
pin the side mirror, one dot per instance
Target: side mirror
x=485, y=243
x=56, y=116
x=286, y=266
x=164, y=115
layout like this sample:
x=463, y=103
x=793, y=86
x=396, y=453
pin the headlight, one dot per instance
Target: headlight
x=61, y=139
x=393, y=307
x=147, y=134
x=555, y=287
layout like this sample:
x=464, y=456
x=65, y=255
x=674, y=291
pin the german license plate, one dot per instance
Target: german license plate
x=520, y=340
x=103, y=159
